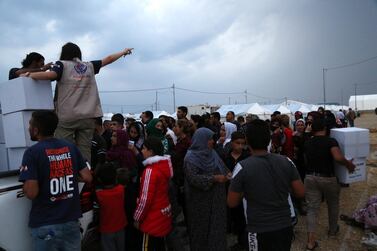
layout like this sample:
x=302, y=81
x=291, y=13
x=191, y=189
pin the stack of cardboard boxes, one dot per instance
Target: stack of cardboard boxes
x=19, y=98
x=354, y=144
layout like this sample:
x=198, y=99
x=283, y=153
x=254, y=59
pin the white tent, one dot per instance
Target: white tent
x=363, y=102
x=107, y=116
x=240, y=109
x=283, y=109
x=304, y=109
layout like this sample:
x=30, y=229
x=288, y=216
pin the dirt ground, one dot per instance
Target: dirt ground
x=352, y=198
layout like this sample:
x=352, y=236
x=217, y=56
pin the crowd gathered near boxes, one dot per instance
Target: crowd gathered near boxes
x=154, y=175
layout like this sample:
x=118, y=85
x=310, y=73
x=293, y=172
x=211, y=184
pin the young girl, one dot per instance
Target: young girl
x=112, y=214
x=153, y=211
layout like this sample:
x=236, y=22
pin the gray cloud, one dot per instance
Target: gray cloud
x=273, y=49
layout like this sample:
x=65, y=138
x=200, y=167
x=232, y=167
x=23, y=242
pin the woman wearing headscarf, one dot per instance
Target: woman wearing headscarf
x=119, y=151
x=154, y=128
x=223, y=144
x=205, y=178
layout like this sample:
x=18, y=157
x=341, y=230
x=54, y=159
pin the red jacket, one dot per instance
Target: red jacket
x=112, y=214
x=288, y=146
x=153, y=210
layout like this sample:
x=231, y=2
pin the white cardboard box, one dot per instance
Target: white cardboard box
x=360, y=173
x=2, y=138
x=15, y=157
x=25, y=94
x=16, y=129
x=353, y=141
x=3, y=158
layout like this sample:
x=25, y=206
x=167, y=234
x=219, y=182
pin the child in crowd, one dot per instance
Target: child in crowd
x=111, y=205
x=153, y=211
x=236, y=216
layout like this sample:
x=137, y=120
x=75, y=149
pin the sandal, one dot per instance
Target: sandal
x=344, y=217
x=313, y=248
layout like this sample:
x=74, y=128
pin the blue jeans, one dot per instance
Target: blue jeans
x=65, y=236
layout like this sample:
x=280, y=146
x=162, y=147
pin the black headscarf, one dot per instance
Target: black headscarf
x=200, y=155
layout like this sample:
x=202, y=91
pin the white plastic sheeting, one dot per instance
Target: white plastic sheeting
x=363, y=102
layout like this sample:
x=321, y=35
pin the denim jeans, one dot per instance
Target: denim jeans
x=65, y=236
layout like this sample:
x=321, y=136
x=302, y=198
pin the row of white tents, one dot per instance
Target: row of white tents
x=263, y=111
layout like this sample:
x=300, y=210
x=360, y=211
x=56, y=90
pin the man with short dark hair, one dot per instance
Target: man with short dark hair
x=182, y=112
x=50, y=171
x=99, y=146
x=265, y=180
x=117, y=122
x=216, y=124
x=230, y=117
x=146, y=117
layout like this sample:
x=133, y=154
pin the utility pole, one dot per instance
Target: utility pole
x=246, y=96
x=121, y=109
x=324, y=87
x=355, y=97
x=173, y=97
x=229, y=100
x=156, y=101
x=341, y=98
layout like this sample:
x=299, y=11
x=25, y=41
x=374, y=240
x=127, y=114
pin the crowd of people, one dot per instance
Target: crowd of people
x=244, y=176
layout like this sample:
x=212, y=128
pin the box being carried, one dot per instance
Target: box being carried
x=359, y=174
x=16, y=129
x=354, y=144
x=25, y=94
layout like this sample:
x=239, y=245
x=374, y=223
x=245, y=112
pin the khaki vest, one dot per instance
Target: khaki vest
x=77, y=93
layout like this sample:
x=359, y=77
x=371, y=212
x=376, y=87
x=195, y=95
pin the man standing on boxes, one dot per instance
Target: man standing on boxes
x=76, y=97
x=50, y=172
x=320, y=153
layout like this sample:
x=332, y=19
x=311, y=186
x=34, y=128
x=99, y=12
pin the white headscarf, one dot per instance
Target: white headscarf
x=229, y=129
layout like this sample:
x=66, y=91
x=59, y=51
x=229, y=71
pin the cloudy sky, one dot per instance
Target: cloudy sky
x=272, y=49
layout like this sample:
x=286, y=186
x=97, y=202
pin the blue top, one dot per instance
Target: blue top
x=55, y=164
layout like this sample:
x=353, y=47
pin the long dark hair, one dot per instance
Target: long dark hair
x=30, y=58
x=70, y=51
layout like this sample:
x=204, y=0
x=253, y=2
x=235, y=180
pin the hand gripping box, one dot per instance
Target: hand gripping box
x=16, y=129
x=359, y=174
x=25, y=94
x=354, y=144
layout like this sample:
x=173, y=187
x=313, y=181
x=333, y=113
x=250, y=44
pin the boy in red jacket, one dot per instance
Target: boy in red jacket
x=153, y=211
x=112, y=214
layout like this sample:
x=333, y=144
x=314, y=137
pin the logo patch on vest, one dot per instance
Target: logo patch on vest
x=80, y=68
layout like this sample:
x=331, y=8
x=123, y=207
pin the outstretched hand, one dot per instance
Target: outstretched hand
x=127, y=51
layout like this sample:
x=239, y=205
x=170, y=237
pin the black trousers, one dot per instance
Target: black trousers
x=152, y=243
x=279, y=240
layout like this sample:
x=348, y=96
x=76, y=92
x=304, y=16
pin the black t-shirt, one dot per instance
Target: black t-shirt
x=58, y=68
x=231, y=162
x=318, y=154
x=12, y=73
